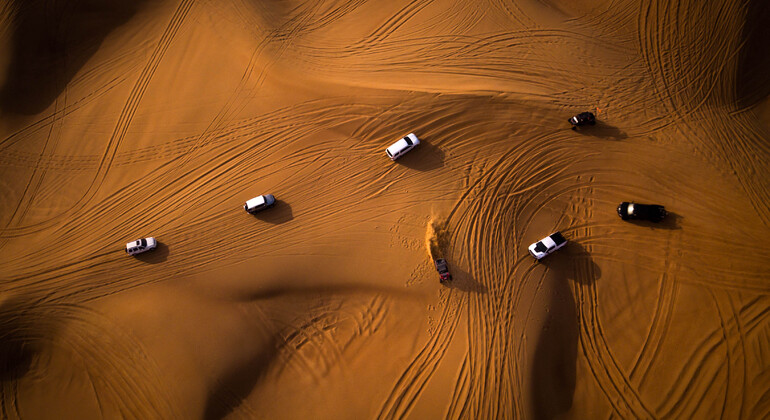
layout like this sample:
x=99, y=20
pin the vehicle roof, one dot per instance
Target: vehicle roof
x=256, y=201
x=648, y=210
x=548, y=242
x=398, y=146
x=148, y=241
x=557, y=238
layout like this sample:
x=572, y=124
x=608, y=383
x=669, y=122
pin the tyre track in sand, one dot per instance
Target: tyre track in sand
x=509, y=186
x=226, y=149
x=38, y=174
x=618, y=387
x=707, y=90
x=391, y=25
x=135, y=388
x=461, y=54
x=80, y=276
x=479, y=367
x=168, y=150
x=490, y=387
x=73, y=104
x=284, y=36
x=123, y=378
x=121, y=128
x=621, y=393
x=243, y=158
x=315, y=346
x=725, y=343
x=410, y=384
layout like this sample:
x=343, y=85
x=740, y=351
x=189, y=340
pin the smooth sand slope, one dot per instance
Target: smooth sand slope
x=120, y=120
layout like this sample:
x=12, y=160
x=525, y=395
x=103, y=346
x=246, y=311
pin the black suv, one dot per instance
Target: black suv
x=584, y=118
x=636, y=211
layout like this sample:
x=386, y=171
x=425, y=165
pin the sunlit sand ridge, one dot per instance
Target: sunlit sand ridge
x=157, y=118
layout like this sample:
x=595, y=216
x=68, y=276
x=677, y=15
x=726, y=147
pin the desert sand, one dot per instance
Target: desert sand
x=123, y=120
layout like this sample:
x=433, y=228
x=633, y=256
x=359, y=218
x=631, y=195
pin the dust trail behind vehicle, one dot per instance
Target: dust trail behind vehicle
x=437, y=237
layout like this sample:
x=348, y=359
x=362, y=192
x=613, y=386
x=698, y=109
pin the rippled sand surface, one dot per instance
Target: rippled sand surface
x=123, y=120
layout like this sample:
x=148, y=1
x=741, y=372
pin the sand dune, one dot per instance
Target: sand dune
x=121, y=120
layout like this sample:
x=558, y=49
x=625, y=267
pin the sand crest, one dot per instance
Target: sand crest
x=123, y=120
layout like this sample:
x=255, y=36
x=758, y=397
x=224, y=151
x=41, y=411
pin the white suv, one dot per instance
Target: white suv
x=399, y=148
x=259, y=203
x=141, y=245
x=547, y=245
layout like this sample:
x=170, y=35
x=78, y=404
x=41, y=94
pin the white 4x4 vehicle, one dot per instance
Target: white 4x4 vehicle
x=141, y=245
x=399, y=148
x=259, y=203
x=547, y=245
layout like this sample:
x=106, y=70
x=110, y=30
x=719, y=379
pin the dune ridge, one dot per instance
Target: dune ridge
x=160, y=118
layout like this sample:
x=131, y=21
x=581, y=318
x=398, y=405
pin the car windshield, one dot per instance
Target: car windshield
x=144, y=242
x=408, y=141
x=558, y=239
x=540, y=247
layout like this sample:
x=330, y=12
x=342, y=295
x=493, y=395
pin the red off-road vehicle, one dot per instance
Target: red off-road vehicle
x=443, y=270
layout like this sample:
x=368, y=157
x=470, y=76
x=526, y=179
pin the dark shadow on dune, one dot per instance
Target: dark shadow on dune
x=236, y=385
x=424, y=157
x=157, y=255
x=16, y=355
x=672, y=221
x=553, y=370
x=51, y=41
x=573, y=262
x=279, y=213
x=754, y=61
x=462, y=280
x=554, y=363
x=22, y=326
x=602, y=130
x=271, y=292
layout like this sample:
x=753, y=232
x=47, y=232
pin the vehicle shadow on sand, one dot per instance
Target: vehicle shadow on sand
x=279, y=213
x=157, y=255
x=601, y=129
x=464, y=281
x=554, y=365
x=425, y=157
x=573, y=262
x=672, y=221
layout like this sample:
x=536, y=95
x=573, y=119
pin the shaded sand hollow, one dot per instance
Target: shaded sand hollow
x=126, y=119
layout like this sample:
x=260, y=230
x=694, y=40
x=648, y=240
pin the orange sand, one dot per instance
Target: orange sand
x=160, y=118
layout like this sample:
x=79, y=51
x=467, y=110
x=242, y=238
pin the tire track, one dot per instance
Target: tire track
x=37, y=177
x=106, y=210
x=411, y=383
x=72, y=330
x=121, y=128
x=706, y=80
x=609, y=375
x=494, y=389
x=75, y=104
